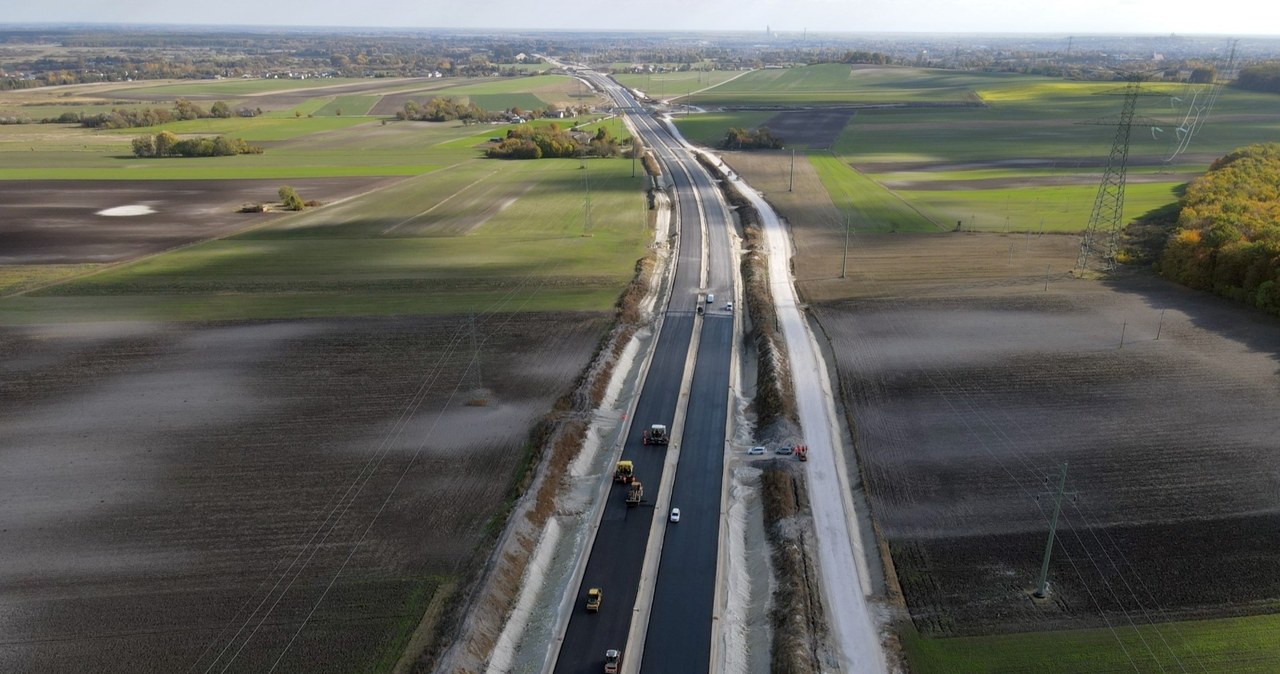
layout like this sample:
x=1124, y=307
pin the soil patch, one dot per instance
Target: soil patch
x=70, y=221
x=176, y=494
x=809, y=128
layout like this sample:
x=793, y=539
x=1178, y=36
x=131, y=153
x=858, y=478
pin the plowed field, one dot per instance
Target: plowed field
x=223, y=497
x=972, y=368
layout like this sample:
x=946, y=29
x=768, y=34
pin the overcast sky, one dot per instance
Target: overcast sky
x=1227, y=17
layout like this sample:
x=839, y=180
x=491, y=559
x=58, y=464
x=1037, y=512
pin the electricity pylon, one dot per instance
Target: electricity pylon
x=1104, y=221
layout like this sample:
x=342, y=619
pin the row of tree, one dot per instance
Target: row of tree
x=1227, y=239
x=166, y=144
x=755, y=139
x=122, y=118
x=535, y=142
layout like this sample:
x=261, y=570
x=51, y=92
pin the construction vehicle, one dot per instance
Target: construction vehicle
x=655, y=435
x=625, y=472
x=594, y=597
x=634, y=493
x=611, y=659
x=802, y=452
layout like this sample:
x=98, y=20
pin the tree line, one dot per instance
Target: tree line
x=1227, y=239
x=124, y=118
x=1261, y=77
x=529, y=142
x=166, y=144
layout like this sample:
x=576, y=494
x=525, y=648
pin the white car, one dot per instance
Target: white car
x=675, y=514
x=729, y=307
x=756, y=451
x=711, y=297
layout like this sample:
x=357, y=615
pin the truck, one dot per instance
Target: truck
x=594, y=597
x=634, y=493
x=802, y=452
x=655, y=435
x=625, y=472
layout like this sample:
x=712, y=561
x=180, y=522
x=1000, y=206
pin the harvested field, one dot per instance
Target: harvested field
x=62, y=222
x=809, y=128
x=185, y=495
x=972, y=367
x=967, y=402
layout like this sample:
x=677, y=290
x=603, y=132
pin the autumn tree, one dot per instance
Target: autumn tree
x=164, y=143
x=289, y=197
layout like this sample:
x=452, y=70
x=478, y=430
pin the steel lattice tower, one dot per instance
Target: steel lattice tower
x=1104, y=222
x=1100, y=237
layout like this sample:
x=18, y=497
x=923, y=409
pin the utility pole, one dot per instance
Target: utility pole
x=475, y=350
x=844, y=263
x=586, y=202
x=1042, y=588
x=792, y=183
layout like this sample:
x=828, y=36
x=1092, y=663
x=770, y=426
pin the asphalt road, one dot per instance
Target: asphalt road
x=679, y=635
x=616, y=559
x=681, y=623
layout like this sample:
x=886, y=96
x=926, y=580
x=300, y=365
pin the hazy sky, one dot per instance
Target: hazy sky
x=1228, y=17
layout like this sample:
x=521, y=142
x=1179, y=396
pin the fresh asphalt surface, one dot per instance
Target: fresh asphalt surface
x=680, y=634
x=620, y=542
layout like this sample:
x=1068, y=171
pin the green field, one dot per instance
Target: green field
x=868, y=205
x=488, y=233
x=709, y=128
x=353, y=106
x=1046, y=139
x=238, y=87
x=295, y=148
x=839, y=83
x=1235, y=645
x=663, y=85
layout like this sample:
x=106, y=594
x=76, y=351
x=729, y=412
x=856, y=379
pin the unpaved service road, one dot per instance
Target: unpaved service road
x=967, y=401
x=70, y=221
x=179, y=497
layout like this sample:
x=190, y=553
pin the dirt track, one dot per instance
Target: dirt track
x=59, y=221
x=159, y=480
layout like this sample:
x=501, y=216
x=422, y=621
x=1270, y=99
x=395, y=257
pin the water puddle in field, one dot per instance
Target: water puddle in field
x=126, y=211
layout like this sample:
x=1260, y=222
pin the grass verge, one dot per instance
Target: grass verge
x=1235, y=645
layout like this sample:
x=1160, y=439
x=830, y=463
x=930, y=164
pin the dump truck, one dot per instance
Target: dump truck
x=802, y=452
x=655, y=435
x=594, y=596
x=625, y=472
x=635, y=493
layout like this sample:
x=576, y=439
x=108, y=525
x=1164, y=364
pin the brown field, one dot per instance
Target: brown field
x=809, y=128
x=191, y=497
x=58, y=221
x=969, y=384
